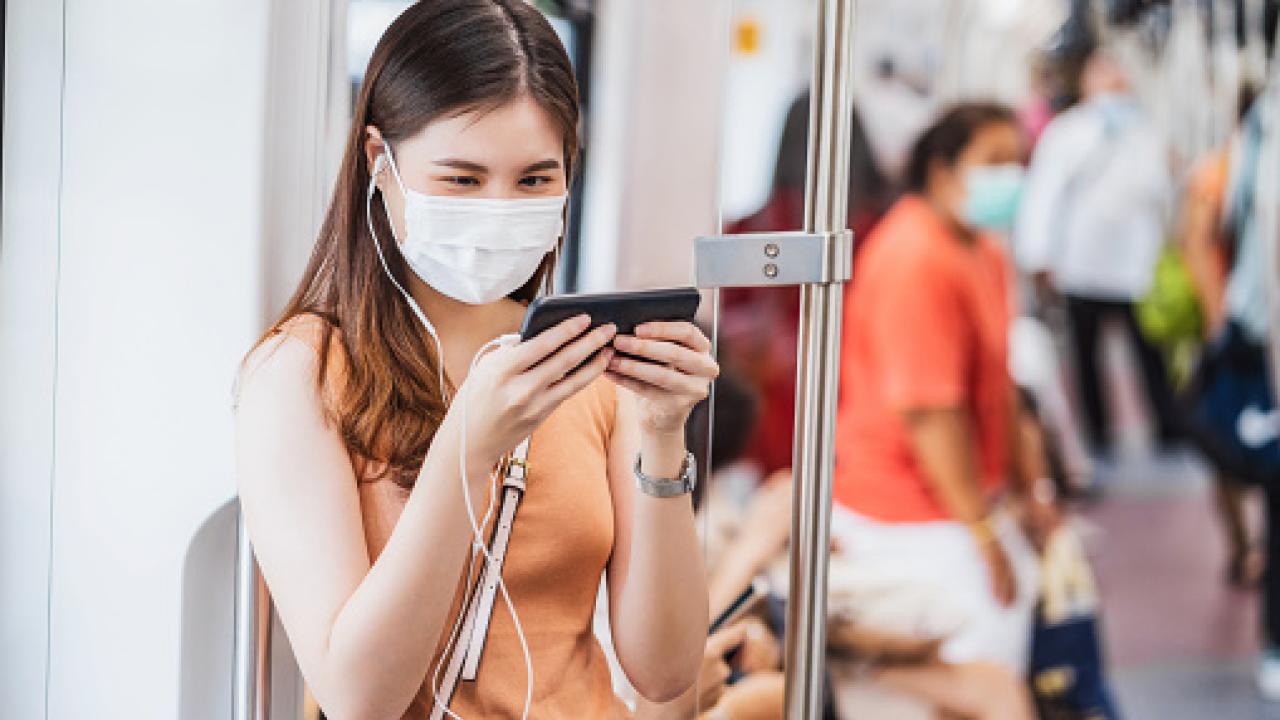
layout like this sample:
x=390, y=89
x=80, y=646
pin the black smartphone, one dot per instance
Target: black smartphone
x=741, y=605
x=625, y=310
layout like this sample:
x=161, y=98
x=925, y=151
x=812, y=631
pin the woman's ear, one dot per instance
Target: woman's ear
x=944, y=181
x=374, y=149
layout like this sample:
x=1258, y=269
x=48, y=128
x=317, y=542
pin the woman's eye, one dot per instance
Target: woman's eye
x=535, y=180
x=462, y=180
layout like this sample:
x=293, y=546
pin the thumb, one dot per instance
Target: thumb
x=726, y=639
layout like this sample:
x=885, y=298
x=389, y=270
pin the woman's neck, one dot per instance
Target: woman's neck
x=464, y=328
x=952, y=223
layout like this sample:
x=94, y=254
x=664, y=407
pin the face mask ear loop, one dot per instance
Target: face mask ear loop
x=395, y=171
x=431, y=329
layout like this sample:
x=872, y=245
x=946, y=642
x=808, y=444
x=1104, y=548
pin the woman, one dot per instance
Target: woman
x=926, y=425
x=378, y=406
x=762, y=322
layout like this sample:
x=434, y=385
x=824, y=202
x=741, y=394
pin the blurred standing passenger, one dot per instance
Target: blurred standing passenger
x=925, y=436
x=1243, y=341
x=1091, y=226
x=761, y=322
x=1207, y=244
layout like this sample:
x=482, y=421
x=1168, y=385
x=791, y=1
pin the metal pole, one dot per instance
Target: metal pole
x=818, y=362
x=252, y=684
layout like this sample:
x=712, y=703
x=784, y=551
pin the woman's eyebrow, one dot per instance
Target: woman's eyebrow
x=543, y=165
x=466, y=165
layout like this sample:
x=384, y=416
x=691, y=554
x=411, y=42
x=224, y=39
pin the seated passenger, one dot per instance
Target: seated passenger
x=926, y=429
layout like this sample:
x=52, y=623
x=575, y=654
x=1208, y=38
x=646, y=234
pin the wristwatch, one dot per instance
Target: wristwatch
x=683, y=484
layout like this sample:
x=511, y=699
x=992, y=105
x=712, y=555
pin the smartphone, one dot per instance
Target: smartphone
x=625, y=310
x=741, y=605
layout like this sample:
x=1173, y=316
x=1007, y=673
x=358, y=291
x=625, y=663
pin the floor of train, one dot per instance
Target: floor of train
x=1181, y=643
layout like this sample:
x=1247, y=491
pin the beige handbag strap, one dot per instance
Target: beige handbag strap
x=464, y=661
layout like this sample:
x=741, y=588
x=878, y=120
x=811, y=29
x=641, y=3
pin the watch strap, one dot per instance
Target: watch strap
x=683, y=484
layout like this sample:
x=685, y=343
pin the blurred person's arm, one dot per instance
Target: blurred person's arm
x=943, y=441
x=762, y=535
x=864, y=642
x=758, y=696
x=969, y=690
x=1029, y=471
x=1200, y=236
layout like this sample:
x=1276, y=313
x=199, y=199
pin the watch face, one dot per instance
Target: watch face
x=689, y=473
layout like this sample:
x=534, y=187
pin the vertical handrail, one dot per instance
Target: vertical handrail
x=252, y=684
x=818, y=361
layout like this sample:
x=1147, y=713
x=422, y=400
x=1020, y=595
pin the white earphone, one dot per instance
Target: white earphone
x=480, y=550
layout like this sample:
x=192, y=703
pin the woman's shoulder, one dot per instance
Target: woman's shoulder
x=906, y=241
x=302, y=349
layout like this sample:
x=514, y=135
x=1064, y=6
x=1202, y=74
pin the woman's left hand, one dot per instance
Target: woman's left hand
x=678, y=377
x=1041, y=517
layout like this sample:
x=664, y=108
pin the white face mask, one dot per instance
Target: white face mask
x=476, y=250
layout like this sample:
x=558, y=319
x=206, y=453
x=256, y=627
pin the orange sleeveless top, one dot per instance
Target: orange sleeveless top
x=560, y=543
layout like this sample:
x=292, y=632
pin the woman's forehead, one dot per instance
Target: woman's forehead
x=999, y=138
x=518, y=133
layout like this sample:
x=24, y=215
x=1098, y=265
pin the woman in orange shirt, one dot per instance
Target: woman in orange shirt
x=925, y=429
x=373, y=415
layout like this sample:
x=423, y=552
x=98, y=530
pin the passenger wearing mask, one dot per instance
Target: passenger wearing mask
x=926, y=430
x=388, y=408
x=1091, y=227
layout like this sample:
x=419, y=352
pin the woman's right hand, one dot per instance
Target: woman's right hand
x=1004, y=585
x=513, y=388
x=715, y=670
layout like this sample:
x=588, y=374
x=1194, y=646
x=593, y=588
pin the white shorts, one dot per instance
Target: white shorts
x=944, y=554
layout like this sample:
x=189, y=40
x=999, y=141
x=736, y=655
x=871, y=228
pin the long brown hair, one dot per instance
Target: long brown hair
x=439, y=58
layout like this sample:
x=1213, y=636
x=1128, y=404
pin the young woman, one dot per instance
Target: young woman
x=926, y=433
x=364, y=424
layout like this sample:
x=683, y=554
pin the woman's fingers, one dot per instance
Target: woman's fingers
x=666, y=352
x=661, y=376
x=725, y=639
x=635, y=386
x=571, y=356
x=536, y=349
x=683, y=332
x=579, y=378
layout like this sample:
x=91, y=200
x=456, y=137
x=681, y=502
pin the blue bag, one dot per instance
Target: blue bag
x=1231, y=409
x=1066, y=673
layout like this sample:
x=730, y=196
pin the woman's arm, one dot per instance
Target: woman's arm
x=364, y=633
x=657, y=583
x=713, y=672
x=1029, y=468
x=943, y=442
